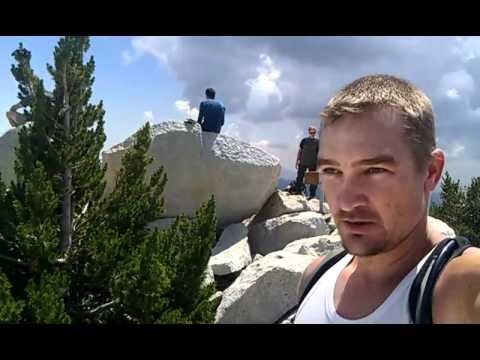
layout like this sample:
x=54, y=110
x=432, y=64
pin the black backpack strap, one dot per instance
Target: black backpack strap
x=421, y=292
x=324, y=265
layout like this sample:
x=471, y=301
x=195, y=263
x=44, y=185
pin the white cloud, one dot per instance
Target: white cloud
x=467, y=48
x=457, y=150
x=232, y=130
x=148, y=116
x=275, y=97
x=452, y=93
x=160, y=47
x=456, y=83
x=194, y=113
x=184, y=107
x=263, y=144
x=264, y=86
x=240, y=129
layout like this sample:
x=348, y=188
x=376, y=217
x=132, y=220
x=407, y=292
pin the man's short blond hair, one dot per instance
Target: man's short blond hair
x=385, y=91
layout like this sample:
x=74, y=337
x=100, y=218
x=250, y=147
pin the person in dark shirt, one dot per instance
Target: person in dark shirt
x=307, y=159
x=211, y=115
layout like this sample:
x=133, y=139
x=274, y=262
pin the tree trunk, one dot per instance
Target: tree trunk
x=66, y=222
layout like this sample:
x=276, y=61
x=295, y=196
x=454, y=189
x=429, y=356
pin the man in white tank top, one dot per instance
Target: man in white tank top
x=379, y=162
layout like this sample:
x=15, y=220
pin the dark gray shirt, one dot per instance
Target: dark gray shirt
x=309, y=154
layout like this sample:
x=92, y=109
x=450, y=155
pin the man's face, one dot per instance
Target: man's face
x=376, y=194
x=311, y=133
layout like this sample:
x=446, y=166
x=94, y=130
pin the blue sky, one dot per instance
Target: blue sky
x=128, y=91
x=273, y=87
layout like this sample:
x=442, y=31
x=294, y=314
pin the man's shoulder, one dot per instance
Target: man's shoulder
x=308, y=274
x=468, y=264
x=456, y=297
x=219, y=103
x=212, y=101
x=309, y=141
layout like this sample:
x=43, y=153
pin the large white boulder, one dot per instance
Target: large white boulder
x=264, y=291
x=232, y=252
x=314, y=246
x=281, y=203
x=8, y=142
x=198, y=164
x=274, y=234
x=257, y=257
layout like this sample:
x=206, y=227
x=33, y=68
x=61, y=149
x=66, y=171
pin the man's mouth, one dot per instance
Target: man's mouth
x=358, y=226
x=357, y=221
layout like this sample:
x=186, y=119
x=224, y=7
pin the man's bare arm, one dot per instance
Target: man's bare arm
x=456, y=296
x=307, y=275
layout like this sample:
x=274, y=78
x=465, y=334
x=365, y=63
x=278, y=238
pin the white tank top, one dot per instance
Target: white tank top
x=318, y=306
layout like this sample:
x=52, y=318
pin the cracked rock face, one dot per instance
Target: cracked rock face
x=8, y=142
x=264, y=291
x=240, y=176
x=232, y=252
x=274, y=234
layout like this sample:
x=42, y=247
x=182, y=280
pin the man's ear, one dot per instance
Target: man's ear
x=434, y=169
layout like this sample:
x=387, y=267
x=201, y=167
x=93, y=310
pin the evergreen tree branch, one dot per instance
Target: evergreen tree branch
x=103, y=307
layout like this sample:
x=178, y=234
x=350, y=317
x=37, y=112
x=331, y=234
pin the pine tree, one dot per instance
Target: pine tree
x=451, y=209
x=471, y=214
x=434, y=210
x=66, y=253
x=157, y=276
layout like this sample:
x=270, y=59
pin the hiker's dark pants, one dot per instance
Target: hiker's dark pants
x=301, y=174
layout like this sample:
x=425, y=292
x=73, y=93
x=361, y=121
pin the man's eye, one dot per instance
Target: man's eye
x=330, y=171
x=375, y=170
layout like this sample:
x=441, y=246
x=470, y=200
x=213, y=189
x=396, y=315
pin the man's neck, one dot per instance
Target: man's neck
x=399, y=260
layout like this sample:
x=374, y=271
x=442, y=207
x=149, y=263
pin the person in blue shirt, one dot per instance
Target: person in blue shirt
x=211, y=115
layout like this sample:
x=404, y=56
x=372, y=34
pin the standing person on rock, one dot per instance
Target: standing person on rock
x=211, y=114
x=307, y=159
x=379, y=163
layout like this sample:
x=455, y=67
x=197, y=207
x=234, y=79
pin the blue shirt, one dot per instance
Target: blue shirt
x=211, y=115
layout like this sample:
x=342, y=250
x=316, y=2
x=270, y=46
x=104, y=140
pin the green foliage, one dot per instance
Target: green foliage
x=37, y=233
x=116, y=270
x=10, y=309
x=460, y=208
x=45, y=303
x=157, y=275
x=453, y=201
x=134, y=203
x=471, y=215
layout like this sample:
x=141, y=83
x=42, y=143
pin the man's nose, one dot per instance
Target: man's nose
x=351, y=195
